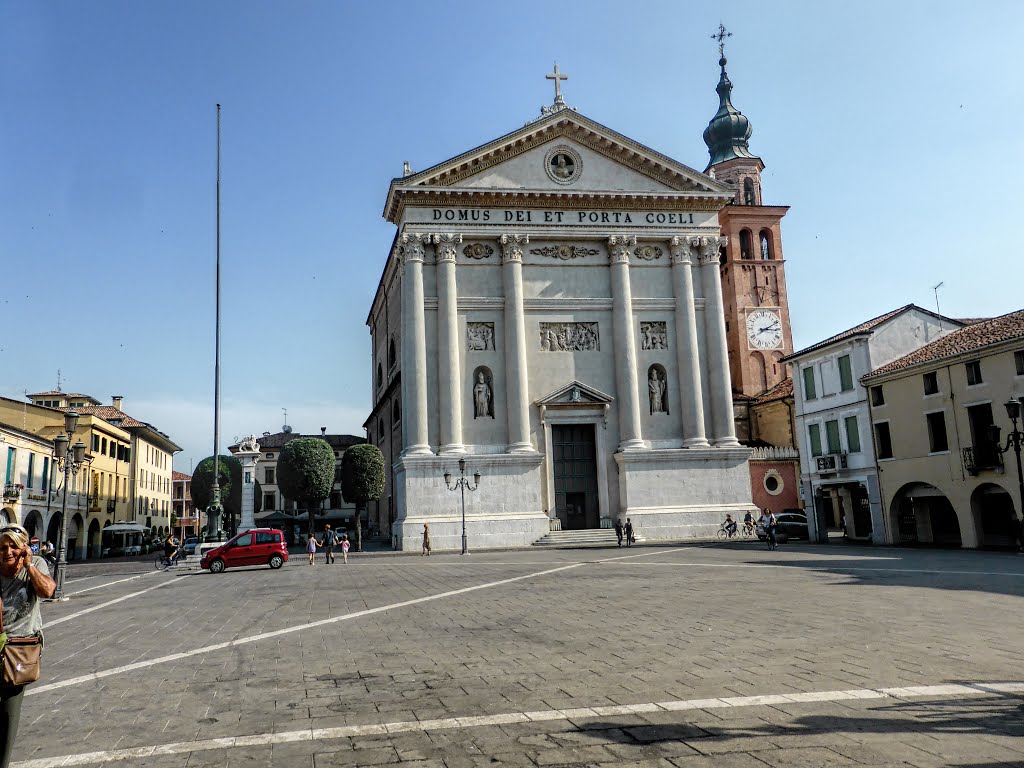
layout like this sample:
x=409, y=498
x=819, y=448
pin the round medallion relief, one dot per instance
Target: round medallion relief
x=563, y=164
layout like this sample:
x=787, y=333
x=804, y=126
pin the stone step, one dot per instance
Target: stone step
x=603, y=537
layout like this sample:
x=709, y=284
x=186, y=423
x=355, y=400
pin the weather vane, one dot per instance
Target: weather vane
x=720, y=36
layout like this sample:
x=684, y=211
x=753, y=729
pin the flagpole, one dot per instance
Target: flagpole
x=214, y=512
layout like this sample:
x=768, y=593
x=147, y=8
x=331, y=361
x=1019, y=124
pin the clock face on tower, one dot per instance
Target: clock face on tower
x=764, y=329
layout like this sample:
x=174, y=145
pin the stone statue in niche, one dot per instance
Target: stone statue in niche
x=657, y=391
x=482, y=397
x=480, y=336
x=653, y=335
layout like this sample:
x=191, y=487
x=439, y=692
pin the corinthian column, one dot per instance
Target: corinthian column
x=414, y=347
x=723, y=427
x=626, y=381
x=687, y=349
x=515, y=345
x=448, y=368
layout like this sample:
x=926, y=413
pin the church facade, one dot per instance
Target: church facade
x=552, y=311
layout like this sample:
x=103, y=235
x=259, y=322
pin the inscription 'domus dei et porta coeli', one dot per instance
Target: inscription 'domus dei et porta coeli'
x=554, y=217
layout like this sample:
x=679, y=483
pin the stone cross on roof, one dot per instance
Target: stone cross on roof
x=557, y=77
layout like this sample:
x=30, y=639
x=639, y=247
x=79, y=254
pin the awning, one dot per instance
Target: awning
x=125, y=528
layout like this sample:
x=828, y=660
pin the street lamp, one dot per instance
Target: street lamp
x=69, y=464
x=462, y=484
x=1014, y=439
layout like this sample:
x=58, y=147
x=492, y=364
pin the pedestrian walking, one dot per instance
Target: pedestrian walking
x=24, y=580
x=329, y=540
x=630, y=538
x=344, y=548
x=311, y=548
x=618, y=531
x=426, y=540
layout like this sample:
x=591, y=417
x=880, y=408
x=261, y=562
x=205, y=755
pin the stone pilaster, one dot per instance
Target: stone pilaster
x=516, y=380
x=414, y=347
x=248, y=454
x=626, y=380
x=687, y=347
x=449, y=376
x=723, y=427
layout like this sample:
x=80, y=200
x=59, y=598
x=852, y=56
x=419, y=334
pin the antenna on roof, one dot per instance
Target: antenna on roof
x=936, y=289
x=58, y=379
x=286, y=429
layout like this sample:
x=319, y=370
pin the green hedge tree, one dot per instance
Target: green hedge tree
x=230, y=489
x=362, y=480
x=305, y=473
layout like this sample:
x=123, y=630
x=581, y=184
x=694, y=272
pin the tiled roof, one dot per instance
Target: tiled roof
x=780, y=391
x=176, y=475
x=865, y=327
x=961, y=341
x=109, y=413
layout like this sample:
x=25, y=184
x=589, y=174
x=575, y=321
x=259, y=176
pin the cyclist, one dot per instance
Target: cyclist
x=748, y=524
x=729, y=525
x=171, y=549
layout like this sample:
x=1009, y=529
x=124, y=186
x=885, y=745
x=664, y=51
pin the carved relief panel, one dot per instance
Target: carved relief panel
x=653, y=335
x=569, y=337
x=480, y=337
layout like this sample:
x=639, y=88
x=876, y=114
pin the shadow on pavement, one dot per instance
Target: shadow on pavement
x=1003, y=716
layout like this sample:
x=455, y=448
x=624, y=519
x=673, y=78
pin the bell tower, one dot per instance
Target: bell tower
x=752, y=266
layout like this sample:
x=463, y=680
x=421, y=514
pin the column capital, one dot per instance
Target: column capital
x=618, y=248
x=411, y=246
x=446, y=246
x=679, y=247
x=512, y=247
x=708, y=247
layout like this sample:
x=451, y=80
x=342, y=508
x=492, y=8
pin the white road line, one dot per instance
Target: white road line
x=948, y=692
x=107, y=584
x=808, y=567
x=70, y=616
x=265, y=635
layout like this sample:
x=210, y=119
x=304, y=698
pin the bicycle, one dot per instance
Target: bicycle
x=726, y=533
x=773, y=542
x=747, y=530
x=163, y=562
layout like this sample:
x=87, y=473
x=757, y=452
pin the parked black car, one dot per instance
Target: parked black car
x=792, y=524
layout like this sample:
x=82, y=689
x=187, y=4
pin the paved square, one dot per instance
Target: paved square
x=683, y=656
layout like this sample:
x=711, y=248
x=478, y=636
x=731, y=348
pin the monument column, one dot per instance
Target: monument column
x=626, y=380
x=723, y=427
x=687, y=348
x=448, y=367
x=248, y=454
x=414, y=347
x=516, y=382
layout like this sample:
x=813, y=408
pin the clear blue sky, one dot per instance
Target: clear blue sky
x=892, y=129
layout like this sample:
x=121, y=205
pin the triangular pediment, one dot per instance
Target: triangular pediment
x=561, y=153
x=575, y=393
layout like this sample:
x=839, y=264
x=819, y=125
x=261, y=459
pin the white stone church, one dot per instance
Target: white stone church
x=551, y=310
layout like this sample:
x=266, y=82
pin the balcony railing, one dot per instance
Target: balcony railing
x=830, y=462
x=981, y=458
x=12, y=491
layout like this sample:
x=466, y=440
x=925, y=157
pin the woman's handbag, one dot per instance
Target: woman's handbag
x=19, y=657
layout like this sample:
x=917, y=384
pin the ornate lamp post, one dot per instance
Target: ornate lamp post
x=69, y=464
x=462, y=484
x=1014, y=439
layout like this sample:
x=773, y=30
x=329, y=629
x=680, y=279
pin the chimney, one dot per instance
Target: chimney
x=323, y=431
x=116, y=401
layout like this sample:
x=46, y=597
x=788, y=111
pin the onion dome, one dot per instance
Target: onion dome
x=728, y=131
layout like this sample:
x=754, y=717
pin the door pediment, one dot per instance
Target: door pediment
x=576, y=394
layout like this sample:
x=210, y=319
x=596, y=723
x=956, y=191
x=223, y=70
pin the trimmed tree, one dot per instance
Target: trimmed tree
x=305, y=473
x=362, y=480
x=230, y=489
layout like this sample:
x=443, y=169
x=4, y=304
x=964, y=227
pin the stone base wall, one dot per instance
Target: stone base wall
x=505, y=511
x=683, y=493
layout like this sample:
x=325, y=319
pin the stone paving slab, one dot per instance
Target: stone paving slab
x=589, y=656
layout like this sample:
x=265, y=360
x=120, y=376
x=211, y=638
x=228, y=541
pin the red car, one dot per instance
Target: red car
x=257, y=546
